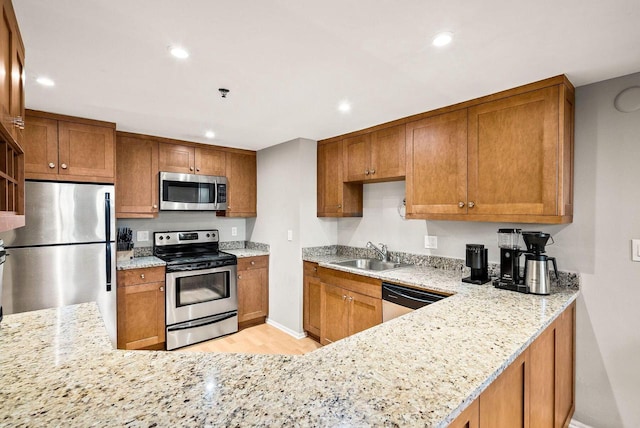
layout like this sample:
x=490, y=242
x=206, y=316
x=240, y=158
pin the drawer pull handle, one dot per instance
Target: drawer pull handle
x=161, y=288
x=253, y=262
x=142, y=275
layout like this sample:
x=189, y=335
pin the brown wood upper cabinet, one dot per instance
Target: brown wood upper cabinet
x=509, y=159
x=11, y=75
x=336, y=198
x=68, y=148
x=241, y=184
x=136, y=177
x=191, y=159
x=376, y=156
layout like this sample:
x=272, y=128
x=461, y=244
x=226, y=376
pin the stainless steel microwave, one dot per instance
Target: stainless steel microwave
x=191, y=192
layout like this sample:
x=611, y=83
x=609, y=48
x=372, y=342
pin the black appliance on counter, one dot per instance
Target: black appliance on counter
x=510, y=252
x=477, y=258
x=201, y=286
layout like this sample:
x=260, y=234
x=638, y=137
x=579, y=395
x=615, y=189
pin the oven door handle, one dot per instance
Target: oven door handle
x=202, y=322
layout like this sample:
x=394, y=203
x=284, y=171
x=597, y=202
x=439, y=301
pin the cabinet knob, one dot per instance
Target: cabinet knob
x=471, y=204
x=190, y=168
x=253, y=262
x=315, y=269
x=63, y=166
x=228, y=207
x=18, y=122
x=350, y=298
x=52, y=165
x=142, y=275
x=373, y=171
x=344, y=297
x=460, y=204
x=239, y=276
x=339, y=206
x=366, y=172
x=161, y=288
x=155, y=206
x=197, y=169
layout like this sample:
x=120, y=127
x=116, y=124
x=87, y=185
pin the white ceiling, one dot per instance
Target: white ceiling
x=288, y=63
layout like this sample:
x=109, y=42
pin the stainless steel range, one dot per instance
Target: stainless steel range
x=201, y=286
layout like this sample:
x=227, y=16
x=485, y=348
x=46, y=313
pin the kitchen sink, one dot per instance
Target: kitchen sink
x=370, y=264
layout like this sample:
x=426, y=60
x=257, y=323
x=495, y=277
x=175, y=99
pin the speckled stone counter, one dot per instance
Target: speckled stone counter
x=422, y=369
x=140, y=262
x=247, y=252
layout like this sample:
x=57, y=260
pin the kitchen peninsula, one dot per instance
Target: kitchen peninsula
x=422, y=369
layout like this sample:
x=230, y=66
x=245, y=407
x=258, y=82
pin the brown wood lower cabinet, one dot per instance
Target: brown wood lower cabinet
x=141, y=300
x=253, y=290
x=537, y=389
x=311, y=306
x=349, y=304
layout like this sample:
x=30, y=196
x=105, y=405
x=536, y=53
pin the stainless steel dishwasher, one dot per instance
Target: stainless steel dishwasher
x=398, y=300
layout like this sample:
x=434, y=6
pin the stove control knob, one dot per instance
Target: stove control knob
x=208, y=235
x=161, y=238
x=168, y=237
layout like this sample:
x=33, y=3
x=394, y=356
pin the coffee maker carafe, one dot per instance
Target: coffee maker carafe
x=536, y=265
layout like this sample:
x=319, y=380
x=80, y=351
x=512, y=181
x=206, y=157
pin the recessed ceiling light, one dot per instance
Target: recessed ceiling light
x=442, y=39
x=179, y=52
x=45, y=81
x=210, y=134
x=344, y=106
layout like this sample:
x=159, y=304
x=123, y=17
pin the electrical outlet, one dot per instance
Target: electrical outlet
x=289, y=235
x=430, y=241
x=234, y=231
x=635, y=250
x=142, y=236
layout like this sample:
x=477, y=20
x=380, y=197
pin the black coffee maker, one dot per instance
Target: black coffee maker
x=477, y=258
x=510, y=252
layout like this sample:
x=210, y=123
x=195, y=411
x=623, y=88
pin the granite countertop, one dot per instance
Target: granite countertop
x=421, y=369
x=246, y=252
x=140, y=262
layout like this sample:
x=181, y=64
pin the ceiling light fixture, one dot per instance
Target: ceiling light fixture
x=442, y=39
x=210, y=134
x=344, y=106
x=179, y=52
x=45, y=81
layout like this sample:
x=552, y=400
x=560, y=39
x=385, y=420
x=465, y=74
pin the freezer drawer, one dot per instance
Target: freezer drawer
x=48, y=277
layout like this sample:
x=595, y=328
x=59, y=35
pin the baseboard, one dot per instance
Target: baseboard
x=287, y=330
x=576, y=424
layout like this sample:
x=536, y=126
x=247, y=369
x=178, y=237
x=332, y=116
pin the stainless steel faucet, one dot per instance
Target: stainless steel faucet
x=382, y=251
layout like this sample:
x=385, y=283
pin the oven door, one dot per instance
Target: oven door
x=197, y=294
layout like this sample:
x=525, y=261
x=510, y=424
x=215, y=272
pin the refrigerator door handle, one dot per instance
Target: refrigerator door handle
x=107, y=230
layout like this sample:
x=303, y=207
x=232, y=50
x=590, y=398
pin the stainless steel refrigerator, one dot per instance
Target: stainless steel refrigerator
x=65, y=254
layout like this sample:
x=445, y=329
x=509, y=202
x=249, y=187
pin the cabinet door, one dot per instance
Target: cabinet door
x=334, y=324
x=136, y=177
x=542, y=380
x=387, y=153
x=469, y=418
x=364, y=312
x=40, y=146
x=356, y=160
x=437, y=165
x=8, y=35
x=17, y=87
x=513, y=155
x=176, y=158
x=241, y=185
x=312, y=305
x=252, y=294
x=564, y=367
x=330, y=178
x=210, y=161
x=86, y=151
x=141, y=315
x=504, y=404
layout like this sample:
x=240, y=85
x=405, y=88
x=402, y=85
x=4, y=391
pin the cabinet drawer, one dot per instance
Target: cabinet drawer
x=247, y=263
x=140, y=276
x=311, y=269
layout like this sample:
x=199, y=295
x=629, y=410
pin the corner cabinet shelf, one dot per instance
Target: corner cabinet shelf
x=11, y=186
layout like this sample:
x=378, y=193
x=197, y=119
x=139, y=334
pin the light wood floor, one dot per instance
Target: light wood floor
x=260, y=339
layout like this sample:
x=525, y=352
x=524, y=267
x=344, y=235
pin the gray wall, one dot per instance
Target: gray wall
x=175, y=220
x=286, y=201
